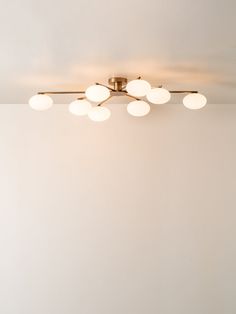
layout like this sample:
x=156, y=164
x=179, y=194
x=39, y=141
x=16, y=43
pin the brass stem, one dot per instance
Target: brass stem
x=183, y=91
x=61, y=93
x=126, y=94
x=111, y=89
x=101, y=103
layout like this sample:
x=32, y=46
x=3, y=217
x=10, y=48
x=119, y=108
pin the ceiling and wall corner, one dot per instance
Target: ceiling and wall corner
x=132, y=215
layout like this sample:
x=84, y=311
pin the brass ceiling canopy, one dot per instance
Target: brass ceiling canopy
x=118, y=83
x=142, y=93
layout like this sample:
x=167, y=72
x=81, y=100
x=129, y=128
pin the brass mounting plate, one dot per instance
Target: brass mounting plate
x=117, y=80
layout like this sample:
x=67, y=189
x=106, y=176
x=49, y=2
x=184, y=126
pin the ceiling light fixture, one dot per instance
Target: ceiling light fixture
x=139, y=90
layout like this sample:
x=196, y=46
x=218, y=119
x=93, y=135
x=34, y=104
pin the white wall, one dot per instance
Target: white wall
x=131, y=216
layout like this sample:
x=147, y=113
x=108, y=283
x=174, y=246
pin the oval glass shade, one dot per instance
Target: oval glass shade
x=40, y=102
x=194, y=101
x=80, y=107
x=97, y=93
x=158, y=96
x=138, y=108
x=99, y=114
x=138, y=88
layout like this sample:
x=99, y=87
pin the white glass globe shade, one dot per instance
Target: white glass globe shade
x=99, y=114
x=194, y=101
x=97, y=93
x=80, y=107
x=138, y=88
x=40, y=102
x=138, y=108
x=158, y=96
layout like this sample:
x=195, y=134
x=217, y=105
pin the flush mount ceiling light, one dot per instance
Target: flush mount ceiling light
x=139, y=90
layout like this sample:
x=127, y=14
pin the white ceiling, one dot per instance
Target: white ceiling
x=70, y=44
